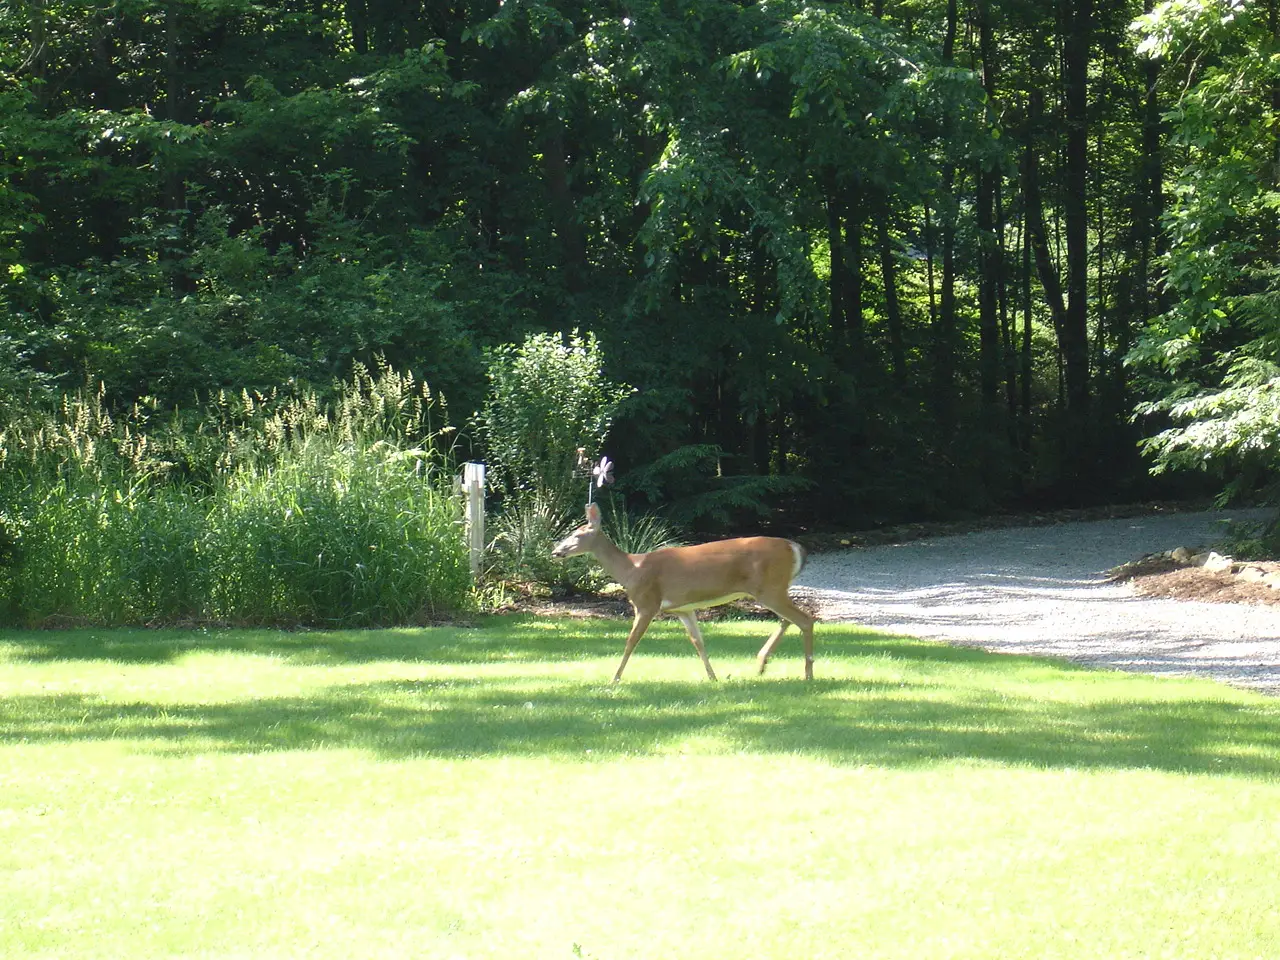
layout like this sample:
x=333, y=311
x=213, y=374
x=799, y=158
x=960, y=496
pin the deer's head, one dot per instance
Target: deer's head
x=582, y=540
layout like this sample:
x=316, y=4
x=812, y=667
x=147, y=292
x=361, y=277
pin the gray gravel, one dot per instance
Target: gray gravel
x=1043, y=590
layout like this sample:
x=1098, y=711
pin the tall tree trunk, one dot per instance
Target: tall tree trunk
x=1273, y=23
x=358, y=21
x=892, y=309
x=763, y=302
x=573, y=249
x=853, y=270
x=1037, y=236
x=1074, y=334
x=1027, y=356
x=36, y=59
x=1150, y=192
x=1007, y=350
x=944, y=333
x=175, y=187
x=172, y=94
x=944, y=386
x=844, y=235
x=889, y=273
x=988, y=248
x=928, y=265
x=949, y=37
x=1106, y=315
x=761, y=450
x=835, y=242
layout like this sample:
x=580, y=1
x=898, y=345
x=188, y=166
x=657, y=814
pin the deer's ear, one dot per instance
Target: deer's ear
x=593, y=515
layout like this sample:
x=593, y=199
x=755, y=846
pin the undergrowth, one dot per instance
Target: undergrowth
x=275, y=509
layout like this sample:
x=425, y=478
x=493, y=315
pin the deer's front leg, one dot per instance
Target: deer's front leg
x=638, y=627
x=690, y=622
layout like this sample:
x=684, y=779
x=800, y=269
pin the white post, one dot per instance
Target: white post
x=473, y=487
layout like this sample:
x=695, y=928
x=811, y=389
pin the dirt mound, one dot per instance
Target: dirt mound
x=1176, y=582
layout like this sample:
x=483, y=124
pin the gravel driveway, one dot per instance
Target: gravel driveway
x=1042, y=590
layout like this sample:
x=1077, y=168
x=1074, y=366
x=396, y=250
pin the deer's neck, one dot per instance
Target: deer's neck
x=616, y=563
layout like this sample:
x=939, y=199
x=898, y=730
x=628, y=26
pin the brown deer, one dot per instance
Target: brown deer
x=684, y=580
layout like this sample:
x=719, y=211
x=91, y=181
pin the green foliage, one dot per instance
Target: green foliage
x=210, y=195
x=336, y=535
x=1173, y=26
x=271, y=509
x=1219, y=342
x=519, y=552
x=256, y=318
x=699, y=493
x=527, y=529
x=1241, y=419
x=639, y=532
x=548, y=398
x=1253, y=541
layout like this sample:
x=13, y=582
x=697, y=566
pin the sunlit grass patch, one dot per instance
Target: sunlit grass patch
x=483, y=792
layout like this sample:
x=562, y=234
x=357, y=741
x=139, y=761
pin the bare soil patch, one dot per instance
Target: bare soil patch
x=579, y=606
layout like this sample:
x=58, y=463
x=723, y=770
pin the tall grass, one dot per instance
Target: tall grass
x=281, y=509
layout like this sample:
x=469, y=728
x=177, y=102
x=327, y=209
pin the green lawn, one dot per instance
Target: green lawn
x=483, y=793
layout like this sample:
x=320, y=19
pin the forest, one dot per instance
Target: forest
x=841, y=264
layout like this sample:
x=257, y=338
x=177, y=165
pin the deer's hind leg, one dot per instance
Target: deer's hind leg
x=762, y=659
x=690, y=621
x=789, y=613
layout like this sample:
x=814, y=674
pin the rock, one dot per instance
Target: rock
x=1217, y=563
x=1272, y=580
x=1180, y=555
x=1252, y=574
x=1123, y=571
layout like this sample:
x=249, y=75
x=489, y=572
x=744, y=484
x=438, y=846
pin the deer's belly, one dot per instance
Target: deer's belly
x=700, y=604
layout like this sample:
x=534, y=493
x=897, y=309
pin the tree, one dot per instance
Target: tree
x=792, y=226
x=1219, y=341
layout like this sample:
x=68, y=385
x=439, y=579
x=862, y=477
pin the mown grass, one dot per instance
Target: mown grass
x=482, y=792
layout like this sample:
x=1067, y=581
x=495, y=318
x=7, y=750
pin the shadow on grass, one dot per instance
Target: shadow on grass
x=487, y=639
x=924, y=716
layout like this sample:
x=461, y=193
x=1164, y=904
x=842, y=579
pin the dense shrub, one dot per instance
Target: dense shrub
x=548, y=397
x=282, y=510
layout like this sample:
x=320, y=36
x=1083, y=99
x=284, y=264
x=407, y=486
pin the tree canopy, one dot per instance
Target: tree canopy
x=906, y=256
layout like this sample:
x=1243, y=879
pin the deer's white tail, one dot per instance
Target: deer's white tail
x=801, y=557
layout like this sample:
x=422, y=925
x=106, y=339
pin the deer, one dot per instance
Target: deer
x=684, y=580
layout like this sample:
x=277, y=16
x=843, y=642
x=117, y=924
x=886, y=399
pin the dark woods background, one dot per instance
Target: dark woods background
x=868, y=260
